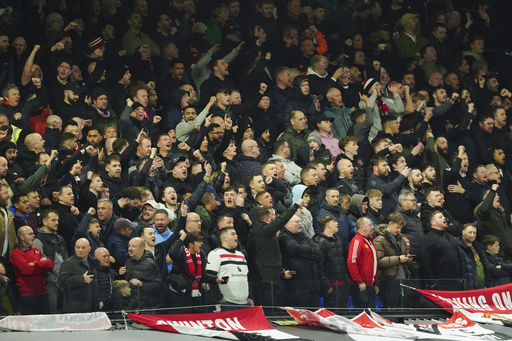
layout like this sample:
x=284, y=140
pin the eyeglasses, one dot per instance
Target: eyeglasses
x=195, y=220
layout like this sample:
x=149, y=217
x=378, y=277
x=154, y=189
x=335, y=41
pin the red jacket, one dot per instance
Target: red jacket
x=30, y=278
x=363, y=260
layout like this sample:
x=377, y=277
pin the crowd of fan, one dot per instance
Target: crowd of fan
x=188, y=152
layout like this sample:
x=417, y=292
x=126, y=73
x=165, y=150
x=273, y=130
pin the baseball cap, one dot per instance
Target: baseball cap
x=122, y=223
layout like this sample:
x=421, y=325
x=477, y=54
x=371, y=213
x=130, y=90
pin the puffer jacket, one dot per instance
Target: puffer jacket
x=496, y=276
x=332, y=265
x=146, y=271
x=413, y=229
x=468, y=262
x=79, y=297
x=301, y=255
x=390, y=250
x=341, y=219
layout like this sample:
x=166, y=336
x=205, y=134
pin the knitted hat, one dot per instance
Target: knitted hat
x=315, y=136
x=53, y=17
x=137, y=105
x=116, y=72
x=192, y=237
x=97, y=92
x=367, y=85
x=96, y=43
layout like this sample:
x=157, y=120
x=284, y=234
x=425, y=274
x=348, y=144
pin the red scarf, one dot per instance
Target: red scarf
x=192, y=269
x=383, y=107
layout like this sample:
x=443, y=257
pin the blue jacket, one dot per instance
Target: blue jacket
x=118, y=246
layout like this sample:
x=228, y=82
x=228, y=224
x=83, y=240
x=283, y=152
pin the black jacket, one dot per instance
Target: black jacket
x=79, y=297
x=264, y=253
x=332, y=265
x=301, y=255
x=146, y=271
x=467, y=258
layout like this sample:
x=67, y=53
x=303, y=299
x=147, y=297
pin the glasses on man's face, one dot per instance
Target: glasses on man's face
x=195, y=221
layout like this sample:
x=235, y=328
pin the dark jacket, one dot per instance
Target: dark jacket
x=250, y=165
x=118, y=246
x=264, y=253
x=496, y=276
x=301, y=255
x=413, y=229
x=341, y=219
x=389, y=189
x=491, y=220
x=440, y=260
x=146, y=271
x=106, y=277
x=332, y=265
x=67, y=225
x=180, y=278
x=467, y=258
x=79, y=297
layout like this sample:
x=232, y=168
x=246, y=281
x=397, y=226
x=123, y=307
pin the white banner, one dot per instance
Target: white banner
x=58, y=322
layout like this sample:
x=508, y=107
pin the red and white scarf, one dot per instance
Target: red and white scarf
x=197, y=271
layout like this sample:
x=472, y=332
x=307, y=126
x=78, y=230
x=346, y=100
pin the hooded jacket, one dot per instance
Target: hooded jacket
x=300, y=101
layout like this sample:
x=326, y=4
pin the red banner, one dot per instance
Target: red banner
x=491, y=300
x=223, y=325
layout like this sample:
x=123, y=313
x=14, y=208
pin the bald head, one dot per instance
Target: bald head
x=34, y=142
x=250, y=148
x=103, y=256
x=82, y=249
x=136, y=248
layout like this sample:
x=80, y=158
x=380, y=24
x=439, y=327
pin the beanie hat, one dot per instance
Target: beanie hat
x=96, y=43
x=97, y=92
x=315, y=136
x=116, y=72
x=53, y=17
x=137, y=105
x=367, y=85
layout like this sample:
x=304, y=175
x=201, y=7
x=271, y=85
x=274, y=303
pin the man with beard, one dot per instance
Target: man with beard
x=379, y=179
x=435, y=202
x=478, y=186
x=71, y=107
x=9, y=150
x=147, y=216
x=456, y=184
x=428, y=172
x=100, y=111
x=483, y=139
x=161, y=224
x=414, y=185
x=127, y=203
x=436, y=153
x=94, y=137
x=444, y=109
